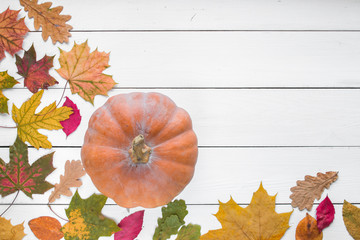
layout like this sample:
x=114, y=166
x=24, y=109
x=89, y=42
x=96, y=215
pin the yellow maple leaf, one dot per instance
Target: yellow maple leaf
x=10, y=232
x=258, y=221
x=83, y=70
x=28, y=122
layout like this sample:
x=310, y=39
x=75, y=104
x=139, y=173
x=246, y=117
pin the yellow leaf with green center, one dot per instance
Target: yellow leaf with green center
x=28, y=122
x=6, y=81
x=10, y=232
x=257, y=221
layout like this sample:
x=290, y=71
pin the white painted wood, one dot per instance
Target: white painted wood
x=237, y=117
x=200, y=214
x=208, y=15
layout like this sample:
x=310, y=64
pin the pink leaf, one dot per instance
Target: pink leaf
x=71, y=124
x=325, y=213
x=130, y=226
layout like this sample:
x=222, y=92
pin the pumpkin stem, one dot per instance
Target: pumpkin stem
x=139, y=151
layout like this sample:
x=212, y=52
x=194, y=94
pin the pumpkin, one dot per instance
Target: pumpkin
x=140, y=149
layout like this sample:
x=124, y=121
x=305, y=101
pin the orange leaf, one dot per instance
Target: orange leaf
x=46, y=228
x=83, y=70
x=53, y=24
x=12, y=32
x=307, y=229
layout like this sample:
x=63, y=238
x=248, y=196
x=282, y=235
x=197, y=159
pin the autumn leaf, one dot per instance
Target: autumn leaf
x=85, y=219
x=28, y=122
x=311, y=188
x=325, y=214
x=46, y=228
x=6, y=82
x=10, y=232
x=12, y=32
x=72, y=123
x=189, y=232
x=351, y=216
x=36, y=73
x=49, y=19
x=307, y=229
x=172, y=218
x=83, y=70
x=18, y=174
x=258, y=220
x=130, y=226
x=73, y=171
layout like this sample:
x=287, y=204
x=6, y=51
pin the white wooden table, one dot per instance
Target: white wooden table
x=273, y=89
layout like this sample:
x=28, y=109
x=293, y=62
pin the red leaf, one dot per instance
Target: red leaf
x=130, y=226
x=325, y=213
x=71, y=124
x=36, y=73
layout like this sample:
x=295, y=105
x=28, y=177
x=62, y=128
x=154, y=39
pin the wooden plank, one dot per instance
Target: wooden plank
x=218, y=59
x=200, y=214
x=221, y=172
x=236, y=117
x=205, y=15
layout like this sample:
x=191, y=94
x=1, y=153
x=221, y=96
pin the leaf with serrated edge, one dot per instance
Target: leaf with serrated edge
x=49, y=19
x=306, y=191
x=83, y=70
x=73, y=172
x=10, y=232
x=307, y=229
x=189, y=232
x=46, y=228
x=351, y=217
x=28, y=122
x=6, y=82
x=18, y=174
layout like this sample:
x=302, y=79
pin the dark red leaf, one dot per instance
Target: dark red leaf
x=72, y=123
x=130, y=226
x=325, y=213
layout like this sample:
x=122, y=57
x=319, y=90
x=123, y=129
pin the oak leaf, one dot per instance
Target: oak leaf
x=18, y=174
x=189, y=232
x=73, y=171
x=72, y=123
x=257, y=221
x=49, y=19
x=6, y=81
x=46, y=228
x=325, y=213
x=83, y=70
x=85, y=219
x=36, y=73
x=28, y=122
x=10, y=232
x=307, y=229
x=306, y=191
x=351, y=217
x=130, y=226
x=12, y=32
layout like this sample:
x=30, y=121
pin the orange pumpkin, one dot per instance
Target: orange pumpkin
x=140, y=149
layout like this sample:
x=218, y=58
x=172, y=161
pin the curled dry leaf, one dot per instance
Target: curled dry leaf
x=325, y=214
x=73, y=171
x=351, y=216
x=10, y=232
x=71, y=124
x=46, y=228
x=53, y=24
x=307, y=229
x=311, y=188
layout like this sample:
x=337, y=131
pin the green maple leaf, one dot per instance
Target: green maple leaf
x=85, y=219
x=18, y=174
x=6, y=81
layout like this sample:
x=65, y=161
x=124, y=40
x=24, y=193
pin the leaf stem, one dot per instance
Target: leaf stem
x=7, y=127
x=12, y=203
x=56, y=213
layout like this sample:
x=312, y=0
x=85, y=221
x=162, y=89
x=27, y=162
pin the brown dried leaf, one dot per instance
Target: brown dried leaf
x=311, y=188
x=73, y=171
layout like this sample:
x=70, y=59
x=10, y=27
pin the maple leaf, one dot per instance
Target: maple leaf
x=10, y=232
x=19, y=175
x=73, y=171
x=36, y=73
x=12, y=32
x=72, y=123
x=85, y=219
x=46, y=228
x=351, y=217
x=130, y=226
x=28, y=122
x=306, y=191
x=257, y=221
x=189, y=232
x=49, y=19
x=6, y=81
x=83, y=71
x=325, y=214
x=307, y=229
